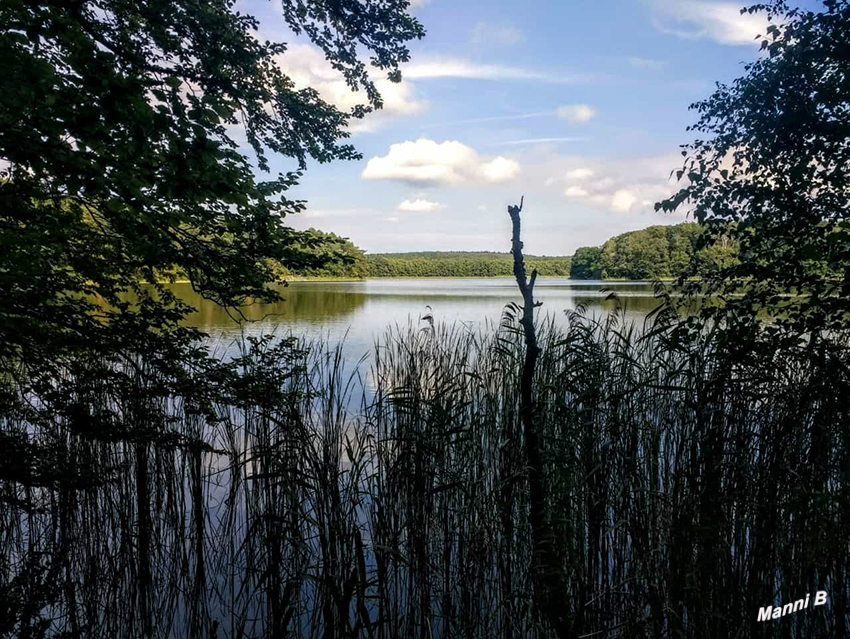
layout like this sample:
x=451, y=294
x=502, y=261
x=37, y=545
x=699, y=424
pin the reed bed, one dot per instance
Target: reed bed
x=691, y=481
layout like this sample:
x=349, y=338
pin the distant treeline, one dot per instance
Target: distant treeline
x=459, y=264
x=656, y=252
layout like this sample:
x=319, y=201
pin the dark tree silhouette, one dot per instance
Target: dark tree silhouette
x=119, y=168
x=549, y=583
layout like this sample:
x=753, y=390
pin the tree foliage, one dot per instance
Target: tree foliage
x=772, y=168
x=459, y=264
x=653, y=253
x=336, y=257
x=586, y=263
x=119, y=163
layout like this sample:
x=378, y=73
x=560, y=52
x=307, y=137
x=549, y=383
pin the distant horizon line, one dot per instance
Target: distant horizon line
x=505, y=253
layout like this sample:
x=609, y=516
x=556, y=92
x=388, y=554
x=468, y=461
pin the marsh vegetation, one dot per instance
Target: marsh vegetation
x=690, y=484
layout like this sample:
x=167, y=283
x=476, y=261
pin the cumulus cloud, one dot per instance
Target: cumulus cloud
x=577, y=113
x=499, y=169
x=579, y=174
x=419, y=205
x=623, y=200
x=427, y=162
x=423, y=69
x=307, y=67
x=620, y=186
x=487, y=33
x=718, y=21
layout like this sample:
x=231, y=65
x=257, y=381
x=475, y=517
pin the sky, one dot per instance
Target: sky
x=580, y=106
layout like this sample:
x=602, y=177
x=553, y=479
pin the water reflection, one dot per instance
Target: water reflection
x=302, y=303
x=361, y=311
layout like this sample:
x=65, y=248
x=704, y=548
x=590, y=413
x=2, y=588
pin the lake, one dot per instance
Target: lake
x=360, y=311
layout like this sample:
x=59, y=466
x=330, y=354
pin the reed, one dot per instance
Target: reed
x=689, y=482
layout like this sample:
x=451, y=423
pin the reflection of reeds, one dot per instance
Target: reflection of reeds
x=688, y=486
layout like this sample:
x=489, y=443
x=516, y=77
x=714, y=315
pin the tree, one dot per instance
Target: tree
x=680, y=246
x=586, y=263
x=638, y=255
x=459, y=264
x=771, y=173
x=119, y=165
x=656, y=252
x=339, y=256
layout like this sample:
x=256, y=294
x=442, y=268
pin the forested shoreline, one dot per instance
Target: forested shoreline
x=654, y=253
x=657, y=252
x=459, y=264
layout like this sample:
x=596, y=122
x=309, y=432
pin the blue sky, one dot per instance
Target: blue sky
x=578, y=105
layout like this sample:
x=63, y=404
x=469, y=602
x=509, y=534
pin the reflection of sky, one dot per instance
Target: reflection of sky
x=360, y=312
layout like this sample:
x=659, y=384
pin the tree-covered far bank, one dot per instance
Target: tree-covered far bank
x=459, y=264
x=653, y=253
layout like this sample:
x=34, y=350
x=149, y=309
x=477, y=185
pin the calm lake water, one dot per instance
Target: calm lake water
x=359, y=312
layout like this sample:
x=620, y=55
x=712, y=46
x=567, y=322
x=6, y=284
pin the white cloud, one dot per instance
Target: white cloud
x=718, y=21
x=392, y=219
x=487, y=33
x=428, y=162
x=500, y=169
x=455, y=68
x=620, y=186
x=646, y=63
x=307, y=67
x=483, y=208
x=418, y=3
x=577, y=113
x=419, y=205
x=622, y=200
x=579, y=174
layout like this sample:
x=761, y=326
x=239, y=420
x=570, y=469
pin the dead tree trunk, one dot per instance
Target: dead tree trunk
x=550, y=587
